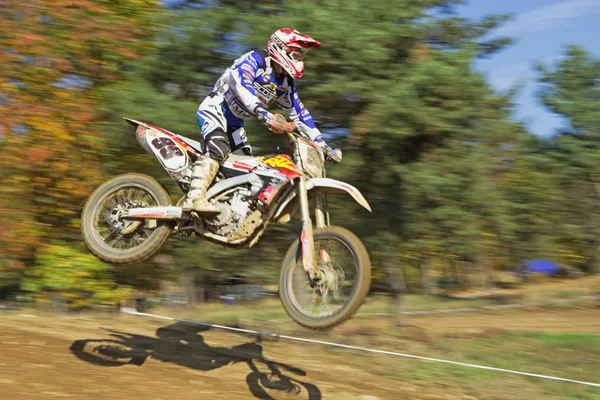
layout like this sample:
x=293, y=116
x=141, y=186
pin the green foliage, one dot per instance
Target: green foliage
x=431, y=145
x=55, y=55
x=78, y=277
x=454, y=182
x=571, y=88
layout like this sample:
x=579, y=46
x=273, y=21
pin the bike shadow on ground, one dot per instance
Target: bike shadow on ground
x=183, y=344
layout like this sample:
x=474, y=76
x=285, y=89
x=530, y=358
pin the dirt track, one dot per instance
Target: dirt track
x=52, y=357
x=570, y=320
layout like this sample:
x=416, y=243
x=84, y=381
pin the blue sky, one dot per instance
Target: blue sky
x=541, y=29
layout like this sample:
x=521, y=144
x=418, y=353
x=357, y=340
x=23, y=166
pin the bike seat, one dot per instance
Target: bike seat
x=194, y=144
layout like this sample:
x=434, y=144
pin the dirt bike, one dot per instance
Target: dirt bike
x=325, y=275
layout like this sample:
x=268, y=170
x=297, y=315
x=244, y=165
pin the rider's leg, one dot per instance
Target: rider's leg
x=205, y=170
x=212, y=121
x=239, y=141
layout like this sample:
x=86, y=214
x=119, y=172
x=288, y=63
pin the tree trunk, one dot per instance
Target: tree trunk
x=398, y=288
x=457, y=278
x=191, y=289
x=425, y=279
x=595, y=265
x=201, y=292
x=487, y=280
x=472, y=277
x=188, y=281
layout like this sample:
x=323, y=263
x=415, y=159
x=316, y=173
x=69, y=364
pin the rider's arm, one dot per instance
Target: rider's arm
x=243, y=79
x=290, y=101
x=297, y=112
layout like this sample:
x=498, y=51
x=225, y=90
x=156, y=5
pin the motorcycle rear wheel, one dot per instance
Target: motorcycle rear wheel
x=99, y=232
x=107, y=352
x=353, y=284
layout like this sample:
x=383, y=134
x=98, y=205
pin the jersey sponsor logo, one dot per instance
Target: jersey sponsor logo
x=266, y=93
x=248, y=75
x=237, y=107
x=238, y=111
x=247, y=68
x=304, y=112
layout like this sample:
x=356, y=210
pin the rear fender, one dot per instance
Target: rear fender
x=194, y=153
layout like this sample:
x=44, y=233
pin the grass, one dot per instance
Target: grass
x=546, y=294
x=566, y=355
x=571, y=356
x=270, y=309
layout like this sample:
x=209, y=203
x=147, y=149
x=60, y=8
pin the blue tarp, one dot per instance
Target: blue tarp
x=542, y=267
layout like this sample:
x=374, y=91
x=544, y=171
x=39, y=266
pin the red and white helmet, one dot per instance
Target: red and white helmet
x=287, y=48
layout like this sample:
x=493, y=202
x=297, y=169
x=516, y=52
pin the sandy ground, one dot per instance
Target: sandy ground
x=127, y=357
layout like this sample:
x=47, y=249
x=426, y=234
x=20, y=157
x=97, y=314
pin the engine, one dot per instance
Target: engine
x=235, y=207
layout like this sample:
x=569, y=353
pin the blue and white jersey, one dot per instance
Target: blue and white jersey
x=251, y=82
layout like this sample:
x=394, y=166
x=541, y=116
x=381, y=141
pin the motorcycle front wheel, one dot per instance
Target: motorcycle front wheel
x=102, y=226
x=346, y=270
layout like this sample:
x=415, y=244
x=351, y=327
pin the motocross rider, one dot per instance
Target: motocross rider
x=247, y=88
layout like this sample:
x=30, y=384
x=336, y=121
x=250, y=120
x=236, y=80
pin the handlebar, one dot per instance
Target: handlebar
x=329, y=155
x=289, y=128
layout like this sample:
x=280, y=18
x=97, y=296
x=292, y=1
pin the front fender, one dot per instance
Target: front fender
x=288, y=204
x=332, y=185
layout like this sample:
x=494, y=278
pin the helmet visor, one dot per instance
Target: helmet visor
x=297, y=54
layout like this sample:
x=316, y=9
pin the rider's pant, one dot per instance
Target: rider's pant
x=222, y=131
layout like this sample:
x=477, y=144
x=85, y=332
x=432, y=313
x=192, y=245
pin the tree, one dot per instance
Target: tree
x=571, y=89
x=457, y=184
x=54, y=56
x=398, y=84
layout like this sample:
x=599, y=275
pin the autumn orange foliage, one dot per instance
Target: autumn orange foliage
x=53, y=56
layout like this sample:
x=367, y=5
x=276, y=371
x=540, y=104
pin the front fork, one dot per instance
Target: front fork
x=309, y=259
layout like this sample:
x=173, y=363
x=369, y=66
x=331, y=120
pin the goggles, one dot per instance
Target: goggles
x=297, y=54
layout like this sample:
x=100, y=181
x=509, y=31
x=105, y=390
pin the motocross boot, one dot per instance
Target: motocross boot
x=205, y=170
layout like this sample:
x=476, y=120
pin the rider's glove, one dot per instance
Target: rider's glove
x=333, y=155
x=275, y=122
x=263, y=115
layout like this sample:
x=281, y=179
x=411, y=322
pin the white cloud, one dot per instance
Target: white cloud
x=550, y=16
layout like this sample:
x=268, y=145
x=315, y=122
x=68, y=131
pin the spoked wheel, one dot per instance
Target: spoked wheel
x=346, y=270
x=114, y=239
x=276, y=386
x=108, y=353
